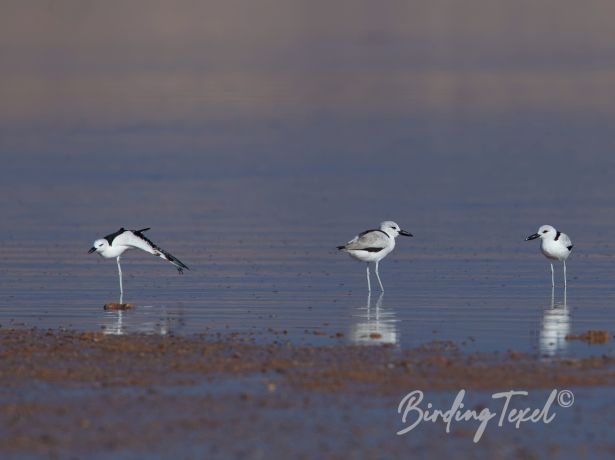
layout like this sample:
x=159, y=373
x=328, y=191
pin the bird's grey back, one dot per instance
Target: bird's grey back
x=369, y=239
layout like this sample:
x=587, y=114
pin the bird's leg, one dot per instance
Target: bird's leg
x=378, y=276
x=119, y=270
x=552, y=277
x=565, y=280
x=379, y=301
x=369, y=286
x=565, y=297
x=379, y=306
x=552, y=296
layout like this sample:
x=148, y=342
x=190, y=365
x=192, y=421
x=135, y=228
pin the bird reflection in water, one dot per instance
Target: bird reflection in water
x=375, y=324
x=555, y=327
x=144, y=320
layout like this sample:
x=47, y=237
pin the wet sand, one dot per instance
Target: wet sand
x=72, y=393
x=255, y=139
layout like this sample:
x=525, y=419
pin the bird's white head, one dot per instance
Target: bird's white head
x=544, y=232
x=99, y=246
x=392, y=229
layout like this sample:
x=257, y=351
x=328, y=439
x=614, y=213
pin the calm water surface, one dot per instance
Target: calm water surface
x=254, y=143
x=253, y=138
x=261, y=248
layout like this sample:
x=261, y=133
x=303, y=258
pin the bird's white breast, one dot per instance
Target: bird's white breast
x=114, y=251
x=555, y=250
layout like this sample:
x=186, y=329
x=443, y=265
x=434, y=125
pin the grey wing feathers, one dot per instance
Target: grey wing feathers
x=371, y=239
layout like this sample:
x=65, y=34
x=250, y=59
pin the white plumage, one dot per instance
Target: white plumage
x=555, y=245
x=115, y=244
x=373, y=246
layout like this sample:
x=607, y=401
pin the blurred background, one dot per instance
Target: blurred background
x=256, y=136
x=266, y=133
x=422, y=103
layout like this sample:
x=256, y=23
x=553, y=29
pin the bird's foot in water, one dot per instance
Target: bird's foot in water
x=118, y=306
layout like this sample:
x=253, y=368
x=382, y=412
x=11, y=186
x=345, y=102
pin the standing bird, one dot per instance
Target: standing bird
x=555, y=245
x=115, y=244
x=373, y=246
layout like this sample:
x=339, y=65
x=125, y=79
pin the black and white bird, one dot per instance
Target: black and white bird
x=373, y=246
x=115, y=244
x=555, y=245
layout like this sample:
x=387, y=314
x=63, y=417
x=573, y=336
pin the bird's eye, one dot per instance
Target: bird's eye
x=544, y=231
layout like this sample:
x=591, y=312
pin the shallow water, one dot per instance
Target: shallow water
x=252, y=150
x=361, y=426
x=269, y=266
x=255, y=138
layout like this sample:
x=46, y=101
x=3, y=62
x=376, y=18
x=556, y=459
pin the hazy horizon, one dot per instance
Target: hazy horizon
x=195, y=74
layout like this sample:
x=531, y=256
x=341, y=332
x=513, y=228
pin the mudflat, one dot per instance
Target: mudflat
x=95, y=394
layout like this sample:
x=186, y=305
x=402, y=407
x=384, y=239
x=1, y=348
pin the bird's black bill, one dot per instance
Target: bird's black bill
x=91, y=250
x=532, y=237
x=405, y=233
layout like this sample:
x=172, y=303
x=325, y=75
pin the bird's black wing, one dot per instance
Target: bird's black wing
x=112, y=236
x=157, y=250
